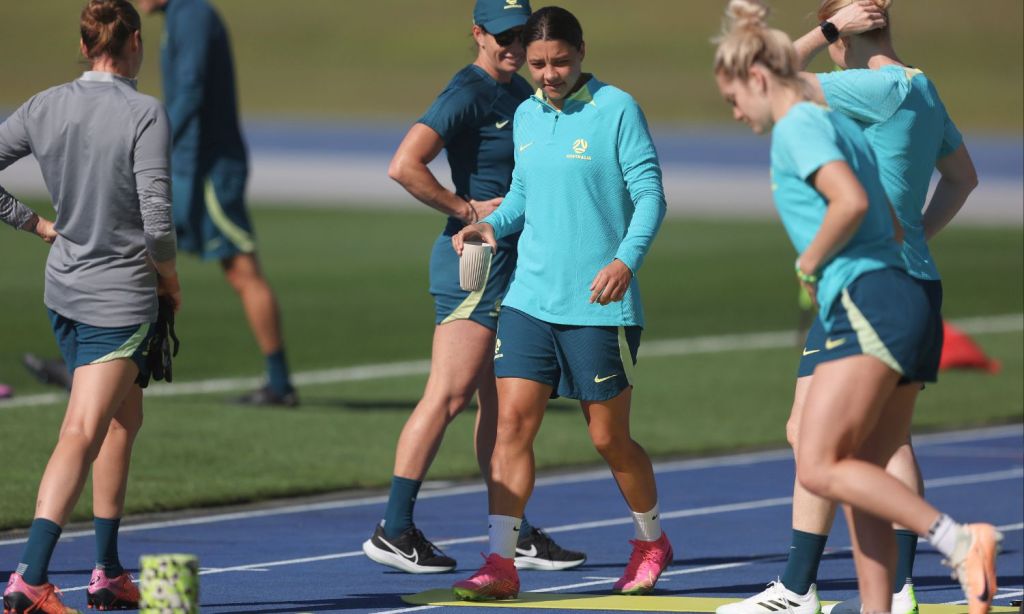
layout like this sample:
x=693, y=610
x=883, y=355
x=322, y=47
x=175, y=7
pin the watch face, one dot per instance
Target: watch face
x=830, y=31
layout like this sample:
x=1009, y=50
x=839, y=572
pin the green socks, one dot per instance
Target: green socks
x=35, y=560
x=401, y=501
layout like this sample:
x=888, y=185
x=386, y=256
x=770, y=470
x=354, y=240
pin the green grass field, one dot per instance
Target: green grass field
x=389, y=58
x=344, y=308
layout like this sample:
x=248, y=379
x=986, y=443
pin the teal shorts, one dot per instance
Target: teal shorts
x=211, y=218
x=887, y=314
x=82, y=344
x=588, y=363
x=451, y=302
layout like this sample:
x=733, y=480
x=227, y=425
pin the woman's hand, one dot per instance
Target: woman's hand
x=169, y=287
x=475, y=232
x=483, y=208
x=858, y=17
x=611, y=283
x=42, y=228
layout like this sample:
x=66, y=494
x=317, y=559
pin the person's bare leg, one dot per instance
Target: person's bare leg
x=486, y=427
x=462, y=351
x=110, y=469
x=608, y=422
x=811, y=514
x=843, y=413
x=96, y=395
x=243, y=273
x=513, y=469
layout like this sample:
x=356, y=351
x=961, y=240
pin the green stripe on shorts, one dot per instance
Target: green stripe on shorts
x=128, y=348
x=466, y=308
x=870, y=343
x=625, y=356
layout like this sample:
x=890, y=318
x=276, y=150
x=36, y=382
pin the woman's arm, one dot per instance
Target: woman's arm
x=409, y=168
x=847, y=206
x=852, y=19
x=958, y=179
x=153, y=187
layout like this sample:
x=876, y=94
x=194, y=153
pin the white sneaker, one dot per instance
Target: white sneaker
x=903, y=602
x=776, y=599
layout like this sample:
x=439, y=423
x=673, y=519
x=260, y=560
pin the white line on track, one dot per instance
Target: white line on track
x=711, y=510
x=733, y=460
x=712, y=344
x=681, y=572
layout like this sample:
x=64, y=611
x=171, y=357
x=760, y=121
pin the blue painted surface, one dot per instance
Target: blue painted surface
x=757, y=537
x=996, y=157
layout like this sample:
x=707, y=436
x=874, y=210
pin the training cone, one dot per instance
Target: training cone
x=961, y=352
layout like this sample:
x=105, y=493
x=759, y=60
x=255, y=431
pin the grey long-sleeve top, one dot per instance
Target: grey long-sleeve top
x=104, y=153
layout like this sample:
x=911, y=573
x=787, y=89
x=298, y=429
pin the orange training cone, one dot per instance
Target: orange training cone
x=960, y=351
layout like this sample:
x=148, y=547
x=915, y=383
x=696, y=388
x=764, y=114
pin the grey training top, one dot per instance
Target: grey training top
x=104, y=152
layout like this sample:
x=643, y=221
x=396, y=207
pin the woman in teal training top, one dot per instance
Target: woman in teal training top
x=471, y=120
x=877, y=319
x=587, y=197
x=912, y=135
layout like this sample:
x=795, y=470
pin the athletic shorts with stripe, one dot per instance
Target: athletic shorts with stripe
x=83, y=344
x=588, y=363
x=451, y=302
x=887, y=314
x=210, y=214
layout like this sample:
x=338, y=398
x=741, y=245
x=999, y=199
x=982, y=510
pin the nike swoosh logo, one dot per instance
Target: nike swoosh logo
x=809, y=352
x=500, y=125
x=831, y=344
x=523, y=147
x=413, y=556
x=598, y=380
x=523, y=552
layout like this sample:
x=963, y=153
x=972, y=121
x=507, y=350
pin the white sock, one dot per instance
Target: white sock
x=504, y=534
x=647, y=524
x=943, y=535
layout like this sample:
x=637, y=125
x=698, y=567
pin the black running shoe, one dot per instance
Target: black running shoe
x=48, y=370
x=265, y=397
x=410, y=552
x=536, y=550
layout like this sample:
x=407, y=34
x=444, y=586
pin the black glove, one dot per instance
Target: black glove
x=163, y=346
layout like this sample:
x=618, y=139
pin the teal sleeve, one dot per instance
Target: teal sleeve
x=869, y=96
x=189, y=34
x=951, y=138
x=455, y=109
x=510, y=216
x=809, y=140
x=638, y=160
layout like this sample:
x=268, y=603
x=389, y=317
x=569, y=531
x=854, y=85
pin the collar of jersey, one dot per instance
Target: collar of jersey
x=584, y=95
x=107, y=77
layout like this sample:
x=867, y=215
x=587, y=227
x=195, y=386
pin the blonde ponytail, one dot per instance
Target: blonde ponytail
x=746, y=40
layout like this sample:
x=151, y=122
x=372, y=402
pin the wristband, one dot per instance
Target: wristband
x=830, y=31
x=476, y=216
x=807, y=278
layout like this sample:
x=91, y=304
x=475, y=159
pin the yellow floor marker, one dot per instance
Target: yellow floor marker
x=562, y=601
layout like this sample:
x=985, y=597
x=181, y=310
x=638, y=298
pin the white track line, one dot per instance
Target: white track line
x=687, y=571
x=733, y=460
x=710, y=510
x=713, y=344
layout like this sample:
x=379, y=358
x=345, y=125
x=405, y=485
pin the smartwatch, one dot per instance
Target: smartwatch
x=830, y=31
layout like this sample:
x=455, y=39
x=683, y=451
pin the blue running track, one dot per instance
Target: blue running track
x=728, y=518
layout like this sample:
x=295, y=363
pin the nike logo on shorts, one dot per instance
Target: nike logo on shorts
x=598, y=379
x=500, y=125
x=831, y=344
